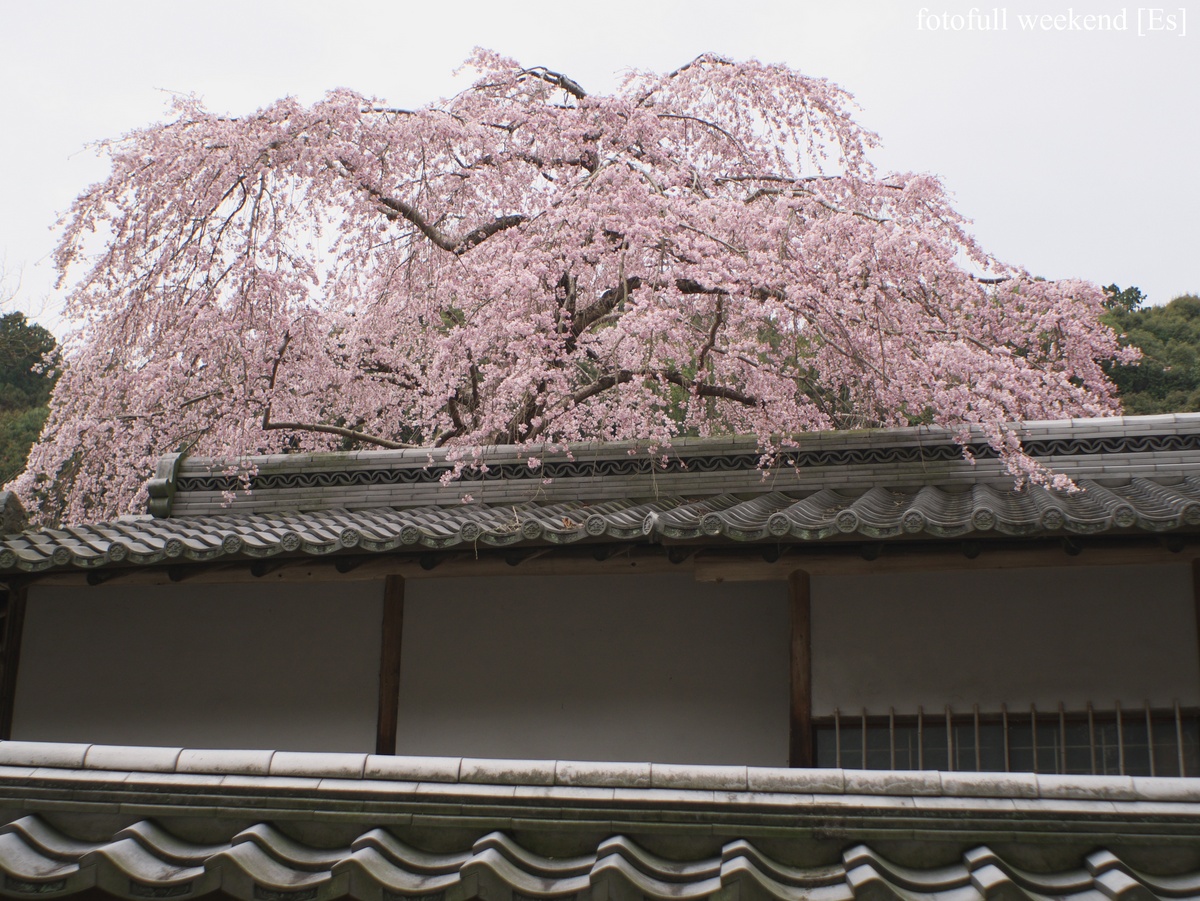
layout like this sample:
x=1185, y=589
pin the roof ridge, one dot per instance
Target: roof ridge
x=79, y=758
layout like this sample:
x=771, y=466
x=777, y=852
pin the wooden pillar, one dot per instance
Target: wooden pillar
x=800, y=746
x=10, y=653
x=391, y=635
x=1196, y=597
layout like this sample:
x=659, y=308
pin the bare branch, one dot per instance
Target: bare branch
x=713, y=125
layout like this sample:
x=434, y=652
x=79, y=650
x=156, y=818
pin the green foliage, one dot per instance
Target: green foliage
x=28, y=355
x=1124, y=301
x=25, y=379
x=18, y=430
x=1167, y=380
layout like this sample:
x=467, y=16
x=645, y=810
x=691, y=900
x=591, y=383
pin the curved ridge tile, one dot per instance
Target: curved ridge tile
x=697, y=516
x=1063, y=883
x=616, y=866
x=738, y=869
x=813, y=877
x=1120, y=886
x=939, y=879
x=248, y=872
x=751, y=519
x=1053, y=510
x=658, y=867
x=994, y=884
x=870, y=884
x=126, y=869
x=1007, y=512
x=372, y=876
x=27, y=863
x=1098, y=508
x=631, y=521
x=1184, y=886
x=287, y=851
x=402, y=855
x=40, y=835
x=491, y=865
x=945, y=514
x=264, y=864
x=162, y=843
x=133, y=861
x=561, y=868
x=816, y=516
x=1160, y=506
x=881, y=511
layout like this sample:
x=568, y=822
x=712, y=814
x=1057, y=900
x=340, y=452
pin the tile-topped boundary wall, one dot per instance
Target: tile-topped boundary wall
x=270, y=825
x=1112, y=448
x=109, y=764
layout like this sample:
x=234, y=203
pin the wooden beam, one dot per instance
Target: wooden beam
x=743, y=563
x=722, y=566
x=800, y=743
x=490, y=564
x=391, y=637
x=13, y=629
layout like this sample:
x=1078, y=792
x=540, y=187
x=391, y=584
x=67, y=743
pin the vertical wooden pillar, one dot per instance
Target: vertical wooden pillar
x=1196, y=597
x=800, y=749
x=391, y=635
x=10, y=653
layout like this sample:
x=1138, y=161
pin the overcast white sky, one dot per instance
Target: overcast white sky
x=1076, y=152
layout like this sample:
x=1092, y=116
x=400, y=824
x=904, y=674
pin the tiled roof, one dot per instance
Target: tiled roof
x=1136, y=474
x=261, y=862
x=876, y=513
x=727, y=826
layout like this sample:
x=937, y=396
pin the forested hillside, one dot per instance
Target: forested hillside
x=25, y=384
x=1168, y=378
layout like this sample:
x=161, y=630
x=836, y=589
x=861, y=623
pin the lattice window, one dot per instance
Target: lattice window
x=1144, y=741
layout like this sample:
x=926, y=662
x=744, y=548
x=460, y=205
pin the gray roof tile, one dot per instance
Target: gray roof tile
x=1139, y=474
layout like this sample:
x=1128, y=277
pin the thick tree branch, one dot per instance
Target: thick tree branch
x=702, y=390
x=334, y=430
x=269, y=426
x=611, y=380
x=702, y=357
x=398, y=209
x=557, y=79
x=394, y=208
x=608, y=302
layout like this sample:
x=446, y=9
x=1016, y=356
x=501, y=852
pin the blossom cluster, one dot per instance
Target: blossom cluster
x=703, y=252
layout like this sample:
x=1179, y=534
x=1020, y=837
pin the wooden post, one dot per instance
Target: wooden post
x=800, y=750
x=391, y=635
x=10, y=654
x=1196, y=597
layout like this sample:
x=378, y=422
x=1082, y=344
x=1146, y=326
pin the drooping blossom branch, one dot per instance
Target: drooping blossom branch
x=702, y=252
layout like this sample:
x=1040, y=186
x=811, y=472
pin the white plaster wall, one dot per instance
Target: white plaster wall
x=202, y=666
x=654, y=667
x=1018, y=636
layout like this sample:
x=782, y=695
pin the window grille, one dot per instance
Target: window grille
x=1143, y=741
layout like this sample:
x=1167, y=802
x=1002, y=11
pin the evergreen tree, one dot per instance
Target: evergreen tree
x=1167, y=380
x=28, y=358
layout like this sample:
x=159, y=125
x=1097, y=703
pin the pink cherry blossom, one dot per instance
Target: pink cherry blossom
x=703, y=252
